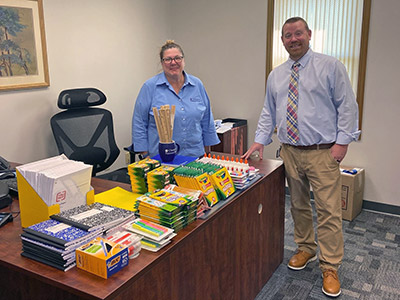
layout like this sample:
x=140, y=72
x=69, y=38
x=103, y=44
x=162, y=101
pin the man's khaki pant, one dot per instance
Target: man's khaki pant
x=318, y=169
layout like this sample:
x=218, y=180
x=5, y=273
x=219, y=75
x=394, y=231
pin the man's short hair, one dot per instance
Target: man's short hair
x=294, y=20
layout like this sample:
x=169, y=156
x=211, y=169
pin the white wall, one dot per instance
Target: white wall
x=113, y=45
x=225, y=45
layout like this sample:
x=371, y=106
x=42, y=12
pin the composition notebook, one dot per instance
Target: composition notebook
x=62, y=267
x=92, y=217
x=58, y=232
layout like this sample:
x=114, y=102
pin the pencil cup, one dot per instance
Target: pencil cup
x=168, y=151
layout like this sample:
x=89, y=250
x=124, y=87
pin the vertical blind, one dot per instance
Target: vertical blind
x=335, y=26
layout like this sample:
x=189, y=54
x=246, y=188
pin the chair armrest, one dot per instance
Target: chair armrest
x=133, y=154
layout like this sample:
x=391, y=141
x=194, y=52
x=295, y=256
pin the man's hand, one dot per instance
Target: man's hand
x=338, y=152
x=255, y=147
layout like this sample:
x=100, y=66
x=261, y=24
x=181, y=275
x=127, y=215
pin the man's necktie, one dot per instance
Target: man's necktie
x=291, y=115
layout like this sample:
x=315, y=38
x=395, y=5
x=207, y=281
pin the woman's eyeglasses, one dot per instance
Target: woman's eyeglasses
x=169, y=60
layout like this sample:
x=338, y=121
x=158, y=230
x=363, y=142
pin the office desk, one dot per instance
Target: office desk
x=230, y=255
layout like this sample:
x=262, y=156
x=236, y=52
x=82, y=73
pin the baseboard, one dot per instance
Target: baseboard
x=381, y=207
x=370, y=205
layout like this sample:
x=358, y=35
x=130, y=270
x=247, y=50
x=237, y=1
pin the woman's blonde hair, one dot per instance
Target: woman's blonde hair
x=168, y=45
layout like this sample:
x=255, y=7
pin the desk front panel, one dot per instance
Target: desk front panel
x=231, y=255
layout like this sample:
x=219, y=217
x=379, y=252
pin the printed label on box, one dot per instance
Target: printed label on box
x=345, y=196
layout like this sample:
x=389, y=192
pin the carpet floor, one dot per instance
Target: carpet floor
x=370, y=268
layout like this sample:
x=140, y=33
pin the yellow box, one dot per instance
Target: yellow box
x=352, y=193
x=223, y=183
x=32, y=208
x=102, y=257
x=205, y=185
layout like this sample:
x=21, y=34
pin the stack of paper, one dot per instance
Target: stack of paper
x=154, y=236
x=58, y=180
x=118, y=197
x=224, y=127
x=54, y=243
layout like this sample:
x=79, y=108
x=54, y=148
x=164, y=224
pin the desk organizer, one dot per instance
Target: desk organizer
x=32, y=208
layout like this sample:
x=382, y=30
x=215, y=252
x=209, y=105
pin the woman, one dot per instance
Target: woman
x=194, y=124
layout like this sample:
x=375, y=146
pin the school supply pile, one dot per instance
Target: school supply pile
x=127, y=239
x=138, y=174
x=54, y=243
x=159, y=212
x=202, y=205
x=213, y=180
x=168, y=208
x=148, y=175
x=159, y=177
x=154, y=236
x=239, y=170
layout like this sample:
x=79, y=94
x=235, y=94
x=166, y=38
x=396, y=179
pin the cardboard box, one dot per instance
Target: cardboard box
x=352, y=192
x=102, y=257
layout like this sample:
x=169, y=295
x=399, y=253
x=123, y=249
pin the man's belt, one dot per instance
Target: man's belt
x=313, y=147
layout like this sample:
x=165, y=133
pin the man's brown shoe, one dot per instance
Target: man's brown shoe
x=331, y=283
x=300, y=260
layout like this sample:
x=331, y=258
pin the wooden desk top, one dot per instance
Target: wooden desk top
x=82, y=283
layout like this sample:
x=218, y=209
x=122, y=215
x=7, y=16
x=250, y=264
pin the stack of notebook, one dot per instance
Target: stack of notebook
x=94, y=217
x=54, y=243
x=154, y=236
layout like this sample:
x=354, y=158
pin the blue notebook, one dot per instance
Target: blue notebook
x=58, y=232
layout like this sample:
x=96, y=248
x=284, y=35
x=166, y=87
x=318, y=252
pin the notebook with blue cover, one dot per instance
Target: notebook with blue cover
x=58, y=232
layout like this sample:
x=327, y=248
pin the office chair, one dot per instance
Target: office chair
x=85, y=133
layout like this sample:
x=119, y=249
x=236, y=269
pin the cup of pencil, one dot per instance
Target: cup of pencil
x=164, y=118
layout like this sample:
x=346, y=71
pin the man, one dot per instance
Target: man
x=310, y=100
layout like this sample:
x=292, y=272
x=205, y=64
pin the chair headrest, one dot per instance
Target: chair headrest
x=83, y=97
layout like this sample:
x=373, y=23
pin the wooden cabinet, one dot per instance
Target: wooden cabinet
x=233, y=141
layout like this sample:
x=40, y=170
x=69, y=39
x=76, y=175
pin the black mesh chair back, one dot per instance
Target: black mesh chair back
x=83, y=132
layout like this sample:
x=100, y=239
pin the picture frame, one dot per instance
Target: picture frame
x=23, y=54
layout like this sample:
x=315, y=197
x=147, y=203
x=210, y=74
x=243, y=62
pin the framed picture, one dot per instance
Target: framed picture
x=23, y=56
